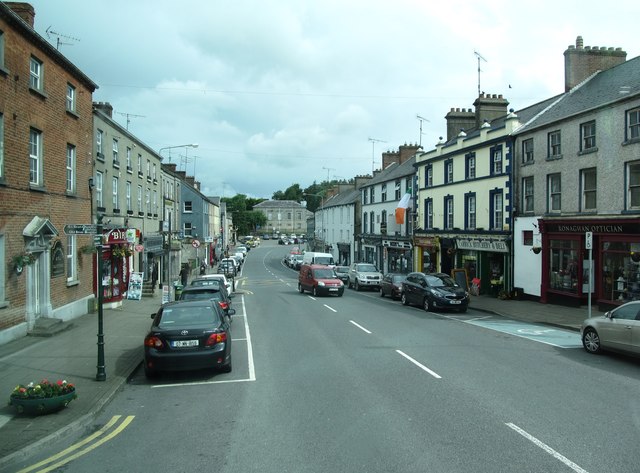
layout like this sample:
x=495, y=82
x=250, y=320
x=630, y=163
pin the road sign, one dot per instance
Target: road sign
x=81, y=229
x=195, y=243
x=588, y=240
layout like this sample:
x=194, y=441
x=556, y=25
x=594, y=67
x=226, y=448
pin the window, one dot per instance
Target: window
x=563, y=265
x=128, y=191
x=35, y=157
x=35, y=74
x=372, y=220
x=365, y=195
x=71, y=169
x=497, y=210
x=71, y=98
x=99, y=187
x=188, y=229
x=72, y=274
x=588, y=136
x=448, y=212
x=428, y=213
x=555, y=150
x=448, y=171
x=148, y=170
x=1, y=66
x=383, y=193
x=588, y=188
x=470, y=211
x=383, y=222
x=554, y=193
x=116, y=162
x=372, y=194
x=139, y=164
x=147, y=200
x=633, y=124
x=398, y=192
x=470, y=166
x=633, y=186
x=155, y=202
x=114, y=193
x=129, y=168
x=140, y=207
x=527, y=151
x=99, y=134
x=527, y=237
x=428, y=176
x=155, y=175
x=365, y=223
x=527, y=194
x=188, y=206
x=408, y=186
x=496, y=160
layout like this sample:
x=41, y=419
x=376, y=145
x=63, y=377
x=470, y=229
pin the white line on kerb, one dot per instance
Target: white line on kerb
x=360, y=327
x=252, y=369
x=330, y=308
x=547, y=448
x=419, y=365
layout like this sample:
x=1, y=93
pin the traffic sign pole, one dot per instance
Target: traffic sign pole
x=588, y=243
x=101, y=374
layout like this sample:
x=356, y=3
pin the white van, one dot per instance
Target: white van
x=312, y=257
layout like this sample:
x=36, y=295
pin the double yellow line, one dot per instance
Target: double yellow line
x=61, y=458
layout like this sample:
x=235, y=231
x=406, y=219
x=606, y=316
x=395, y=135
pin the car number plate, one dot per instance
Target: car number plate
x=455, y=302
x=184, y=343
x=333, y=288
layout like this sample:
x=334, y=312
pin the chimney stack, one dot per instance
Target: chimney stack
x=489, y=107
x=459, y=119
x=24, y=11
x=581, y=61
x=104, y=107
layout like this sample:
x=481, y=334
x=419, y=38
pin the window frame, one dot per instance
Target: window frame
x=428, y=175
x=588, y=136
x=585, y=192
x=496, y=206
x=128, y=196
x=71, y=185
x=632, y=128
x=554, y=143
x=527, y=151
x=383, y=192
x=36, y=77
x=115, y=152
x=497, y=165
x=99, y=189
x=35, y=159
x=71, y=98
x=114, y=193
x=470, y=208
x=428, y=213
x=397, y=190
x=551, y=193
x=448, y=171
x=72, y=259
x=528, y=194
x=470, y=166
x=632, y=187
x=448, y=213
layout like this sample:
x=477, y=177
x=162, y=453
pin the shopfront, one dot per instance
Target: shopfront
x=397, y=256
x=485, y=259
x=426, y=254
x=116, y=266
x=615, y=259
x=344, y=254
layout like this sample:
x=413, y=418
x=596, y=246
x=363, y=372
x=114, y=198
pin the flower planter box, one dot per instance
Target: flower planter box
x=43, y=405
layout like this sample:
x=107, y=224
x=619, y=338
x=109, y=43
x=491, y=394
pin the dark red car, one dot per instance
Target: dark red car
x=392, y=285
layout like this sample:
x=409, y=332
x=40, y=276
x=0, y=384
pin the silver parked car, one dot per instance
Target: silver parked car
x=364, y=275
x=618, y=330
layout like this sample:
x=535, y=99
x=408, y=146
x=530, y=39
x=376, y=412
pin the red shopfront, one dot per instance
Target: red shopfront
x=565, y=263
x=116, y=266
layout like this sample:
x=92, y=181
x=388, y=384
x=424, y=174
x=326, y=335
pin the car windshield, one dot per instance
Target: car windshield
x=187, y=316
x=325, y=273
x=342, y=269
x=441, y=281
x=366, y=268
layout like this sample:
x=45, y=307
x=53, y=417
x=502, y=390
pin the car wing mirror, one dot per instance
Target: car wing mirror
x=153, y=315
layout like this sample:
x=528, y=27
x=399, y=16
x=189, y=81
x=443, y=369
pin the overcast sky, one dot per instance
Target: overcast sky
x=278, y=92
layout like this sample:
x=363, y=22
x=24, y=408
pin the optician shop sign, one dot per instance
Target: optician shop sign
x=482, y=245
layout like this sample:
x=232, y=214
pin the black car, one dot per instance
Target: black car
x=434, y=291
x=392, y=285
x=343, y=273
x=188, y=336
x=198, y=293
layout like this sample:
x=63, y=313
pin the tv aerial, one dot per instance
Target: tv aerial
x=373, y=151
x=479, y=56
x=129, y=116
x=59, y=38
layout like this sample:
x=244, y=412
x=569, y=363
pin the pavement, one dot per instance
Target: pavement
x=72, y=355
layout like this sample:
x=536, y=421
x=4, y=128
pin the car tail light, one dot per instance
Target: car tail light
x=223, y=305
x=217, y=337
x=153, y=342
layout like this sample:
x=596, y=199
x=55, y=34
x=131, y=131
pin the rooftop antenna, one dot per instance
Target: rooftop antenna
x=373, y=153
x=328, y=171
x=58, y=36
x=129, y=116
x=422, y=119
x=479, y=56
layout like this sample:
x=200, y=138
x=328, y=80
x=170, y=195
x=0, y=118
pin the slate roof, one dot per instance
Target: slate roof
x=344, y=198
x=616, y=84
x=278, y=203
x=392, y=172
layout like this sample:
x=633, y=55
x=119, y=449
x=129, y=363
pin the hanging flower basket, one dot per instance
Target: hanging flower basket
x=635, y=256
x=536, y=249
x=42, y=398
x=121, y=251
x=20, y=261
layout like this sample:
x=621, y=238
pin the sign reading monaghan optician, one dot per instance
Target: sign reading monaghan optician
x=482, y=245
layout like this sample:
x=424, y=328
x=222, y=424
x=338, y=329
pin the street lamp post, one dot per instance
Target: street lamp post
x=192, y=145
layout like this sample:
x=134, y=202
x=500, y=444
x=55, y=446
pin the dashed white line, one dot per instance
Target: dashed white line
x=330, y=308
x=360, y=327
x=419, y=365
x=547, y=448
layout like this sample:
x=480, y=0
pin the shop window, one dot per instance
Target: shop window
x=620, y=271
x=564, y=267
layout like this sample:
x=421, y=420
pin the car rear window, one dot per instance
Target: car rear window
x=200, y=295
x=186, y=316
x=206, y=282
x=399, y=278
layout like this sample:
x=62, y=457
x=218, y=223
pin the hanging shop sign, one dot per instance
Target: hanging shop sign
x=498, y=246
x=403, y=245
x=58, y=259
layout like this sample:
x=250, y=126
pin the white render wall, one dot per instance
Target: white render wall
x=527, y=268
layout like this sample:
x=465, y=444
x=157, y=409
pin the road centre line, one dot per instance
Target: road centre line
x=78, y=454
x=547, y=448
x=360, y=327
x=330, y=308
x=419, y=365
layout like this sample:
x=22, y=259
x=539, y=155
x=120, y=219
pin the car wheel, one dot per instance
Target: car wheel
x=463, y=309
x=314, y=292
x=428, y=306
x=226, y=368
x=404, y=300
x=381, y=293
x=300, y=288
x=340, y=293
x=349, y=284
x=591, y=341
x=356, y=285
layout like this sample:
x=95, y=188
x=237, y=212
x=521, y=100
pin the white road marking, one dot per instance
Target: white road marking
x=360, y=327
x=330, y=308
x=252, y=369
x=419, y=365
x=547, y=448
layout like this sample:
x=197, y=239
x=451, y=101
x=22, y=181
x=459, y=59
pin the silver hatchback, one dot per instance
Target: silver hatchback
x=617, y=330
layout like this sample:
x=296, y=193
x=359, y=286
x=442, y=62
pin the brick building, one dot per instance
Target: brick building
x=45, y=166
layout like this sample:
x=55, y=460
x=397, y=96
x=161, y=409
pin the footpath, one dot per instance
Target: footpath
x=72, y=356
